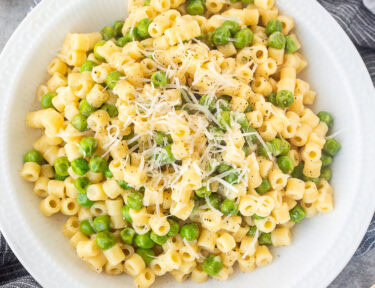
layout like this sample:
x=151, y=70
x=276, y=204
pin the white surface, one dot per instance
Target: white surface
x=370, y=4
x=322, y=245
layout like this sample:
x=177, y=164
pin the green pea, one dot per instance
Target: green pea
x=86, y=228
x=298, y=171
x=281, y=147
x=59, y=177
x=212, y=265
x=248, y=1
x=144, y=241
x=252, y=231
x=221, y=36
x=251, y=139
x=214, y=200
x=197, y=203
x=126, y=214
x=85, y=108
x=132, y=35
x=326, y=174
x=97, y=55
x=166, y=156
x=229, y=207
x=277, y=40
x=209, y=39
x=195, y=7
x=272, y=98
x=271, y=148
x=326, y=160
x=80, y=166
x=160, y=240
x=223, y=167
x=159, y=79
x=326, y=117
x=121, y=42
x=61, y=166
x=81, y=184
x=142, y=28
x=246, y=149
x=284, y=98
x=162, y=138
x=315, y=180
x=224, y=103
x=286, y=164
x=117, y=27
x=224, y=119
x=147, y=255
x=108, y=173
x=127, y=235
x=272, y=26
x=88, y=146
x=83, y=201
x=110, y=109
x=256, y=217
x=232, y=26
x=105, y=240
x=135, y=200
x=112, y=79
x=190, y=231
x=248, y=109
x=264, y=187
x=290, y=45
x=102, y=223
x=174, y=228
x=262, y=151
x=88, y=66
x=47, y=100
x=284, y=147
x=33, y=156
x=265, y=239
x=331, y=147
x=242, y=120
x=208, y=102
x=232, y=178
x=79, y=122
x=123, y=184
x=243, y=38
x=108, y=33
x=297, y=213
x=203, y=192
x=98, y=164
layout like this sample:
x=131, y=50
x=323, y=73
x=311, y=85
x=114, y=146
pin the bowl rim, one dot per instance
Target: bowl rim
x=365, y=90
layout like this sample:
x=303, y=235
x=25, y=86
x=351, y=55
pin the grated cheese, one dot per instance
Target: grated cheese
x=252, y=244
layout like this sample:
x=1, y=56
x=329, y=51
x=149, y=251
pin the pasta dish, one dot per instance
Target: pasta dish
x=181, y=140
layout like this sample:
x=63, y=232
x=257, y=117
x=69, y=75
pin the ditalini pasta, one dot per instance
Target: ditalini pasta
x=180, y=140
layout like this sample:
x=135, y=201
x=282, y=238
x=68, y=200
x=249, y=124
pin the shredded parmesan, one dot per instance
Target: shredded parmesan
x=252, y=244
x=335, y=134
x=191, y=248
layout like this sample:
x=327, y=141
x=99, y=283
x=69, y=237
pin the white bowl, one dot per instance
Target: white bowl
x=322, y=245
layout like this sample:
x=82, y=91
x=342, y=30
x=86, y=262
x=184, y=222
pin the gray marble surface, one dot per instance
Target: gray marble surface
x=360, y=271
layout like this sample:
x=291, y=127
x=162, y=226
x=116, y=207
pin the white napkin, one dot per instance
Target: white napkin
x=370, y=4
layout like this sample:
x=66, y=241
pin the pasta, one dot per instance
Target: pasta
x=181, y=140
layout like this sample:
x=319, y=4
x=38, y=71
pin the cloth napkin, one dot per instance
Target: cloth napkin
x=359, y=24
